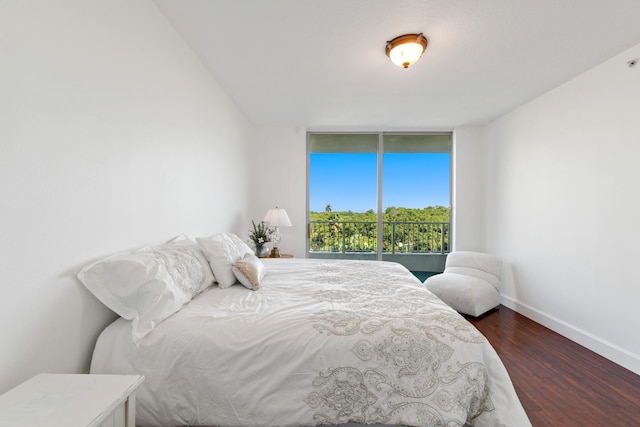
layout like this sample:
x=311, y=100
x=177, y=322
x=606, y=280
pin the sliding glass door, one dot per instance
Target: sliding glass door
x=416, y=195
x=382, y=196
x=343, y=171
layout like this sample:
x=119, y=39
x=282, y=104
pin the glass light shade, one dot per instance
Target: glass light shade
x=405, y=50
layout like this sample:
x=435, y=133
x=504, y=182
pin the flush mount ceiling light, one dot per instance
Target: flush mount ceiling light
x=405, y=50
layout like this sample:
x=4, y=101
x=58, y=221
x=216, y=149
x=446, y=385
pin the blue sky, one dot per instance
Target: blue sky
x=348, y=181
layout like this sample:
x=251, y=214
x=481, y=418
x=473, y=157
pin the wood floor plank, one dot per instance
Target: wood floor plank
x=559, y=382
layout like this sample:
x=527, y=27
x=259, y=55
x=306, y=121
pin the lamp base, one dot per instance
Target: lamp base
x=275, y=253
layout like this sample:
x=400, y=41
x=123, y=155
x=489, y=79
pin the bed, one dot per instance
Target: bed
x=320, y=342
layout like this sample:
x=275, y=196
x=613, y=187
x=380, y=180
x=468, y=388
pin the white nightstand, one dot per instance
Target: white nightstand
x=71, y=400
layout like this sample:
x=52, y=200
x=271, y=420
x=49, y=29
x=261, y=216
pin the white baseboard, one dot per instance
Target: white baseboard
x=615, y=353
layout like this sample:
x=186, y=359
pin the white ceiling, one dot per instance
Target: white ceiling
x=321, y=64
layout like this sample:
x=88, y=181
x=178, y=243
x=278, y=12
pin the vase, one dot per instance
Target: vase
x=262, y=251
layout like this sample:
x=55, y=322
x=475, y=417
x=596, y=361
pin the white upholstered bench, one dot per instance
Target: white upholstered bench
x=470, y=282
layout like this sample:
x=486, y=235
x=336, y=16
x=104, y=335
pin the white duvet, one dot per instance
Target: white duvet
x=321, y=342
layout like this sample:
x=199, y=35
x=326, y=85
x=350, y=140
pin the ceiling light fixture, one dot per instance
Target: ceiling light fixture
x=405, y=50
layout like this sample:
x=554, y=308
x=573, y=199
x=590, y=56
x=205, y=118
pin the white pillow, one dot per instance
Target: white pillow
x=241, y=246
x=222, y=250
x=250, y=271
x=150, y=284
x=196, y=273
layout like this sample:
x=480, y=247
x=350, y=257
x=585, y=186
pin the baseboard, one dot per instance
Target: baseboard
x=596, y=344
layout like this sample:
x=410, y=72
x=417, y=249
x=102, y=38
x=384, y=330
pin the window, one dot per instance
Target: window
x=378, y=195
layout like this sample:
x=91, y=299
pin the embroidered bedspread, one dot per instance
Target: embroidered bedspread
x=321, y=342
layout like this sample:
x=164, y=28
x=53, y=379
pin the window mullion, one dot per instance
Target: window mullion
x=380, y=235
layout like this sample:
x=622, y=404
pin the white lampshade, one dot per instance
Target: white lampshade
x=277, y=217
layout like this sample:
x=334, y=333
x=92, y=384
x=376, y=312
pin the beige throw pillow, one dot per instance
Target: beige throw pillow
x=250, y=271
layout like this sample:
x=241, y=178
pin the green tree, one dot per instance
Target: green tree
x=419, y=230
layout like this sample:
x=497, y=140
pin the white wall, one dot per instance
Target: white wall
x=563, y=208
x=279, y=178
x=468, y=190
x=112, y=136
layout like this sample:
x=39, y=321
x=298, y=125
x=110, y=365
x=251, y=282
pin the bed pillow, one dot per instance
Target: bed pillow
x=222, y=250
x=148, y=285
x=249, y=271
x=241, y=246
x=200, y=271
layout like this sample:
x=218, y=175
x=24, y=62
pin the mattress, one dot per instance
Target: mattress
x=320, y=342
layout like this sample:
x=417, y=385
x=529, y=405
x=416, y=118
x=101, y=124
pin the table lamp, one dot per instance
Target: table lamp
x=277, y=218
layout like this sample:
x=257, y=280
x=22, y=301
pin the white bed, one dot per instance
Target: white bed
x=320, y=342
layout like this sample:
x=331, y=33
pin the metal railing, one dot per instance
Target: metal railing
x=397, y=237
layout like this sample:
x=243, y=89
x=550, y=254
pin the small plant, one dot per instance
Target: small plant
x=260, y=234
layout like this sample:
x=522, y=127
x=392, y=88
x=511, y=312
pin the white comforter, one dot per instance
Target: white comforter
x=321, y=342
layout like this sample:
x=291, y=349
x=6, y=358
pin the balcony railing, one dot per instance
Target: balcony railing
x=397, y=237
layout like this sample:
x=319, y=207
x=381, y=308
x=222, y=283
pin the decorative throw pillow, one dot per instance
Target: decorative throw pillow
x=222, y=250
x=250, y=271
x=148, y=285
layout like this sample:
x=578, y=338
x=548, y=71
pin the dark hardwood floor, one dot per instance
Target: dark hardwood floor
x=559, y=382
